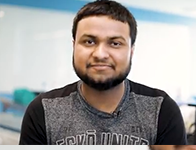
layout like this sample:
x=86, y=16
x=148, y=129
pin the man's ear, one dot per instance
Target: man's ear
x=132, y=50
x=73, y=45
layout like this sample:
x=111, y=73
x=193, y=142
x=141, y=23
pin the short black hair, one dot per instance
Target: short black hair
x=108, y=8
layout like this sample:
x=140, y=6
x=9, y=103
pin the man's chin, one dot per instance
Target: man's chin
x=100, y=78
x=100, y=86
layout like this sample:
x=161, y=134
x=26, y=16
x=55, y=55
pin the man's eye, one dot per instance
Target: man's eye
x=116, y=44
x=89, y=42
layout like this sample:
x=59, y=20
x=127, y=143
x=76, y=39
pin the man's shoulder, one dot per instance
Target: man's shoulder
x=61, y=92
x=145, y=90
x=52, y=94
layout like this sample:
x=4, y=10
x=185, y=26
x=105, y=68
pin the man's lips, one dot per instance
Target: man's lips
x=100, y=66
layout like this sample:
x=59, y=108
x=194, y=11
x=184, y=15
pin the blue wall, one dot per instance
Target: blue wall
x=75, y=5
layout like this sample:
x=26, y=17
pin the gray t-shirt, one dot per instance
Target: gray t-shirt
x=69, y=119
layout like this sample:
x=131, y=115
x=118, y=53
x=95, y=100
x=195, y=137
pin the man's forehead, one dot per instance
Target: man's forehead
x=102, y=25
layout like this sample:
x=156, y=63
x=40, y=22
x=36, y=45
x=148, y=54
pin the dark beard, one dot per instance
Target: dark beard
x=102, y=86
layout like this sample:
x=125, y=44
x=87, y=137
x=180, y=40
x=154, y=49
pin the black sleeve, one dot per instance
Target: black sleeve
x=171, y=129
x=33, y=130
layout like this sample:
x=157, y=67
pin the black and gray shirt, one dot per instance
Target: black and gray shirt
x=144, y=116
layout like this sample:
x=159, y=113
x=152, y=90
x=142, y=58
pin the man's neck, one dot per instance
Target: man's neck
x=106, y=101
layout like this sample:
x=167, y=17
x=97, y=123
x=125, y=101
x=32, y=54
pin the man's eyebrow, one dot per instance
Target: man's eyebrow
x=117, y=37
x=89, y=36
x=109, y=37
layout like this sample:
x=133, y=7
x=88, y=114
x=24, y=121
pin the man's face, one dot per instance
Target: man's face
x=102, y=52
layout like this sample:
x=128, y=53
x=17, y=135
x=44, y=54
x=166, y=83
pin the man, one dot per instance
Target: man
x=103, y=107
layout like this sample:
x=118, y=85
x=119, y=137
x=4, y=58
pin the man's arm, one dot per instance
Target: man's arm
x=33, y=131
x=171, y=129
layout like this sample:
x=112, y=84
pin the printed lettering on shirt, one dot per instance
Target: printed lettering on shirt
x=125, y=140
x=60, y=142
x=80, y=139
x=90, y=138
x=105, y=138
x=134, y=140
x=71, y=140
x=117, y=139
x=144, y=142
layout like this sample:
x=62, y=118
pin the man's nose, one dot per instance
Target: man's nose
x=101, y=52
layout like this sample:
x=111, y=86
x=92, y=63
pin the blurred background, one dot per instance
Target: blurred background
x=36, y=53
